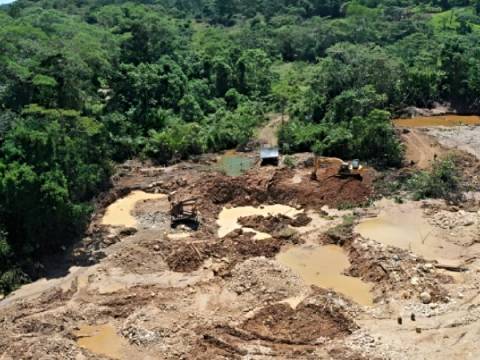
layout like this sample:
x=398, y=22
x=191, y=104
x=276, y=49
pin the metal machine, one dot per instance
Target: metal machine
x=269, y=155
x=183, y=211
x=352, y=169
x=344, y=169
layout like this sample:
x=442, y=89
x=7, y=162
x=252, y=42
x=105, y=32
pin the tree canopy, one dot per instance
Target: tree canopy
x=87, y=83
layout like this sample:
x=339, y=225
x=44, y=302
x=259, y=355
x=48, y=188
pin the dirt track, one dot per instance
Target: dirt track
x=420, y=148
x=267, y=135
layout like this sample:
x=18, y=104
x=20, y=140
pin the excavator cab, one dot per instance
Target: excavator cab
x=356, y=164
x=353, y=169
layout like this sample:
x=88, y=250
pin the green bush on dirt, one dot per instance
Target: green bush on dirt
x=443, y=181
x=288, y=161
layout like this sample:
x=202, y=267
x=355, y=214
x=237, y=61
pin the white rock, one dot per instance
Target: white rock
x=426, y=297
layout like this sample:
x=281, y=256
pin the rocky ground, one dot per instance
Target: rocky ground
x=190, y=294
x=465, y=138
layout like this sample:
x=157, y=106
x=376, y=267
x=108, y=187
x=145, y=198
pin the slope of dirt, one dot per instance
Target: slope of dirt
x=275, y=225
x=303, y=325
x=421, y=149
x=267, y=135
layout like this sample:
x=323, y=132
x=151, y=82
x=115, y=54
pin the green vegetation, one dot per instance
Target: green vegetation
x=443, y=181
x=84, y=84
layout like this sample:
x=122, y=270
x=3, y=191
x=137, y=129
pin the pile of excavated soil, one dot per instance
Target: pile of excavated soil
x=328, y=189
x=278, y=330
x=275, y=225
x=235, y=247
x=307, y=324
x=394, y=271
x=264, y=280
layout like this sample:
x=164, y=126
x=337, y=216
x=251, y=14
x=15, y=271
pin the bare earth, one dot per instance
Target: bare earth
x=465, y=138
x=420, y=148
x=147, y=291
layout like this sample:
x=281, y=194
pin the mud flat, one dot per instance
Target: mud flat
x=323, y=266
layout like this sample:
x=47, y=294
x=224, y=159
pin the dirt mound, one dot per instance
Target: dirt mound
x=304, y=325
x=393, y=270
x=267, y=224
x=235, y=247
x=186, y=259
x=301, y=220
x=327, y=189
x=260, y=279
x=278, y=187
x=273, y=224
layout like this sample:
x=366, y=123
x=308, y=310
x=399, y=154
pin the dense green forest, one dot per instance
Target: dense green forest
x=87, y=83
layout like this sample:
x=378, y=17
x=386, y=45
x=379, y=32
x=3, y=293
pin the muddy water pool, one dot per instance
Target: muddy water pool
x=101, y=340
x=323, y=266
x=404, y=226
x=120, y=212
x=228, y=218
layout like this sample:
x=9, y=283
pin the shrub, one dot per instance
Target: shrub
x=443, y=181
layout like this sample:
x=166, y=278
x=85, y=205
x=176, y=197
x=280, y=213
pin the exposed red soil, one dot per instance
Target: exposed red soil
x=278, y=187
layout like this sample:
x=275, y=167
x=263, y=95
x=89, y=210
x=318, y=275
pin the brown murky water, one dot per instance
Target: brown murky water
x=228, y=218
x=101, y=340
x=404, y=226
x=400, y=233
x=323, y=266
x=120, y=212
x=443, y=120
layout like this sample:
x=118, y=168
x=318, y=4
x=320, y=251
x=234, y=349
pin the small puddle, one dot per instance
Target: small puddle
x=233, y=164
x=323, y=266
x=442, y=120
x=228, y=218
x=101, y=340
x=120, y=212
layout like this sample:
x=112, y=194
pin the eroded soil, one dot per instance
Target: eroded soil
x=179, y=293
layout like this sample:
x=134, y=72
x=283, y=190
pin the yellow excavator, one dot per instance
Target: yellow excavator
x=351, y=169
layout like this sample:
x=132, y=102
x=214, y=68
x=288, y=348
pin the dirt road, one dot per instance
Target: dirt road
x=420, y=148
x=268, y=135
